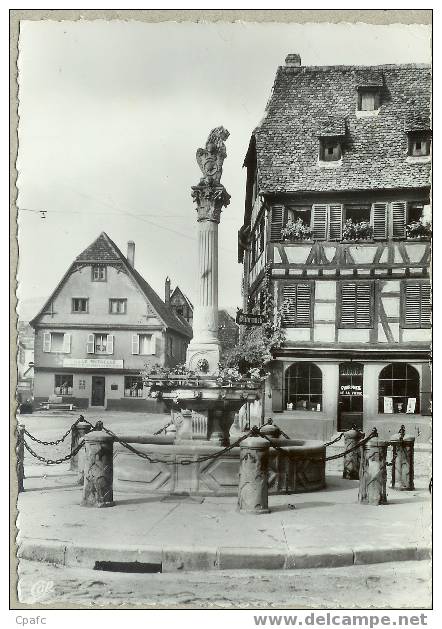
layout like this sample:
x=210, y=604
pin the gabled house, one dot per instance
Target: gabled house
x=99, y=327
x=335, y=240
x=178, y=301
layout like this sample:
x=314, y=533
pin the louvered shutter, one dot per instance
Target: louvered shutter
x=67, y=344
x=46, y=341
x=135, y=344
x=379, y=220
x=297, y=305
x=356, y=305
x=110, y=343
x=398, y=212
x=319, y=221
x=417, y=306
x=279, y=220
x=335, y=229
x=90, y=345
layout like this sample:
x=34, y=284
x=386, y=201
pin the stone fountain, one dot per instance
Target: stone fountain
x=204, y=405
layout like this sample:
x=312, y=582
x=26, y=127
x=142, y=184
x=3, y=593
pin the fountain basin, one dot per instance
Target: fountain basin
x=304, y=471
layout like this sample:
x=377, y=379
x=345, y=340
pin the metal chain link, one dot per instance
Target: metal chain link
x=327, y=458
x=55, y=443
x=163, y=429
x=329, y=443
x=54, y=461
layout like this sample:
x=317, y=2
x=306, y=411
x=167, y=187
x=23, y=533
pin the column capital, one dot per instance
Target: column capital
x=210, y=199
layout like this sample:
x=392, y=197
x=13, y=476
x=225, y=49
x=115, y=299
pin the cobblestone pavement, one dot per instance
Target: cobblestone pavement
x=403, y=585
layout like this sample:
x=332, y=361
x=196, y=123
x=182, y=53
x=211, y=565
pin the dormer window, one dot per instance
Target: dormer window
x=419, y=144
x=330, y=150
x=368, y=99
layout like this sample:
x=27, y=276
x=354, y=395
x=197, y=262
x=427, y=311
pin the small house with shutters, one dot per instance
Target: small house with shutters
x=98, y=329
x=336, y=239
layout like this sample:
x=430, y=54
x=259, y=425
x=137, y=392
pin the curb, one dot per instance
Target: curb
x=173, y=559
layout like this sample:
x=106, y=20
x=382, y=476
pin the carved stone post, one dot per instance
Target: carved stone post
x=20, y=456
x=253, y=492
x=98, y=470
x=402, y=470
x=373, y=472
x=78, y=432
x=352, y=460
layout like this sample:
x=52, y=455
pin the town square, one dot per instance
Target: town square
x=224, y=391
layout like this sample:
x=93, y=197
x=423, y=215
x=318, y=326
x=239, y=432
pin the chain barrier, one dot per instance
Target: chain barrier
x=394, y=455
x=54, y=461
x=55, y=443
x=326, y=458
x=329, y=443
x=162, y=429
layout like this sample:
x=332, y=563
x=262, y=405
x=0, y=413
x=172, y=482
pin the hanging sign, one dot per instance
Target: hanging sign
x=351, y=389
x=245, y=318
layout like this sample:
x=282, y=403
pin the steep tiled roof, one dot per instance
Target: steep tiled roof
x=309, y=101
x=103, y=249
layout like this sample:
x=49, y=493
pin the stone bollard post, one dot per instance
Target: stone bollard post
x=373, y=472
x=20, y=454
x=402, y=470
x=82, y=430
x=253, y=491
x=98, y=470
x=352, y=460
x=77, y=434
x=270, y=430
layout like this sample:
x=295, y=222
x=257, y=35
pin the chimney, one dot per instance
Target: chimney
x=167, y=290
x=131, y=253
x=293, y=60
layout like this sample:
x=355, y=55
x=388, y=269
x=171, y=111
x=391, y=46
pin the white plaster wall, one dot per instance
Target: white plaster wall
x=297, y=334
x=353, y=335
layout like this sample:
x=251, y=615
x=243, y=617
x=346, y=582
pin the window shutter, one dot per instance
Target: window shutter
x=152, y=344
x=398, y=211
x=379, y=220
x=335, y=222
x=348, y=305
x=90, y=345
x=110, y=343
x=67, y=344
x=356, y=305
x=46, y=341
x=417, y=306
x=279, y=220
x=135, y=344
x=297, y=305
x=319, y=221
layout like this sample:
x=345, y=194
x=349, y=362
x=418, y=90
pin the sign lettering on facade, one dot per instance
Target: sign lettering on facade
x=244, y=318
x=93, y=363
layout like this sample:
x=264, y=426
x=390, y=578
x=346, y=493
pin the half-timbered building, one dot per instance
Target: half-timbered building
x=336, y=236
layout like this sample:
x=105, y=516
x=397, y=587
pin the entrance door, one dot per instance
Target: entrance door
x=350, y=396
x=97, y=391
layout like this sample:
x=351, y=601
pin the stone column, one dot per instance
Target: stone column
x=352, y=460
x=98, y=470
x=373, y=472
x=253, y=492
x=402, y=470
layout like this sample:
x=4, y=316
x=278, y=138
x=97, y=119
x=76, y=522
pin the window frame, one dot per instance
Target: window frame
x=325, y=143
x=365, y=90
x=301, y=377
x=403, y=304
x=62, y=376
x=417, y=410
x=85, y=299
x=346, y=326
x=119, y=300
x=139, y=388
x=99, y=266
x=419, y=136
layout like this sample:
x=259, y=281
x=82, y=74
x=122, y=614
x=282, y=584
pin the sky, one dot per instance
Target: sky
x=112, y=113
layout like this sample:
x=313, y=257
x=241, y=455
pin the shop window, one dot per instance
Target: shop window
x=330, y=150
x=399, y=389
x=416, y=305
x=99, y=273
x=419, y=144
x=356, y=304
x=297, y=305
x=133, y=386
x=303, y=387
x=63, y=384
x=80, y=304
x=117, y=306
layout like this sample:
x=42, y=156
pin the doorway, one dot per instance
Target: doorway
x=98, y=391
x=350, y=396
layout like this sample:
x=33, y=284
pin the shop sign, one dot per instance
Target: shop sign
x=93, y=363
x=351, y=389
x=245, y=318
